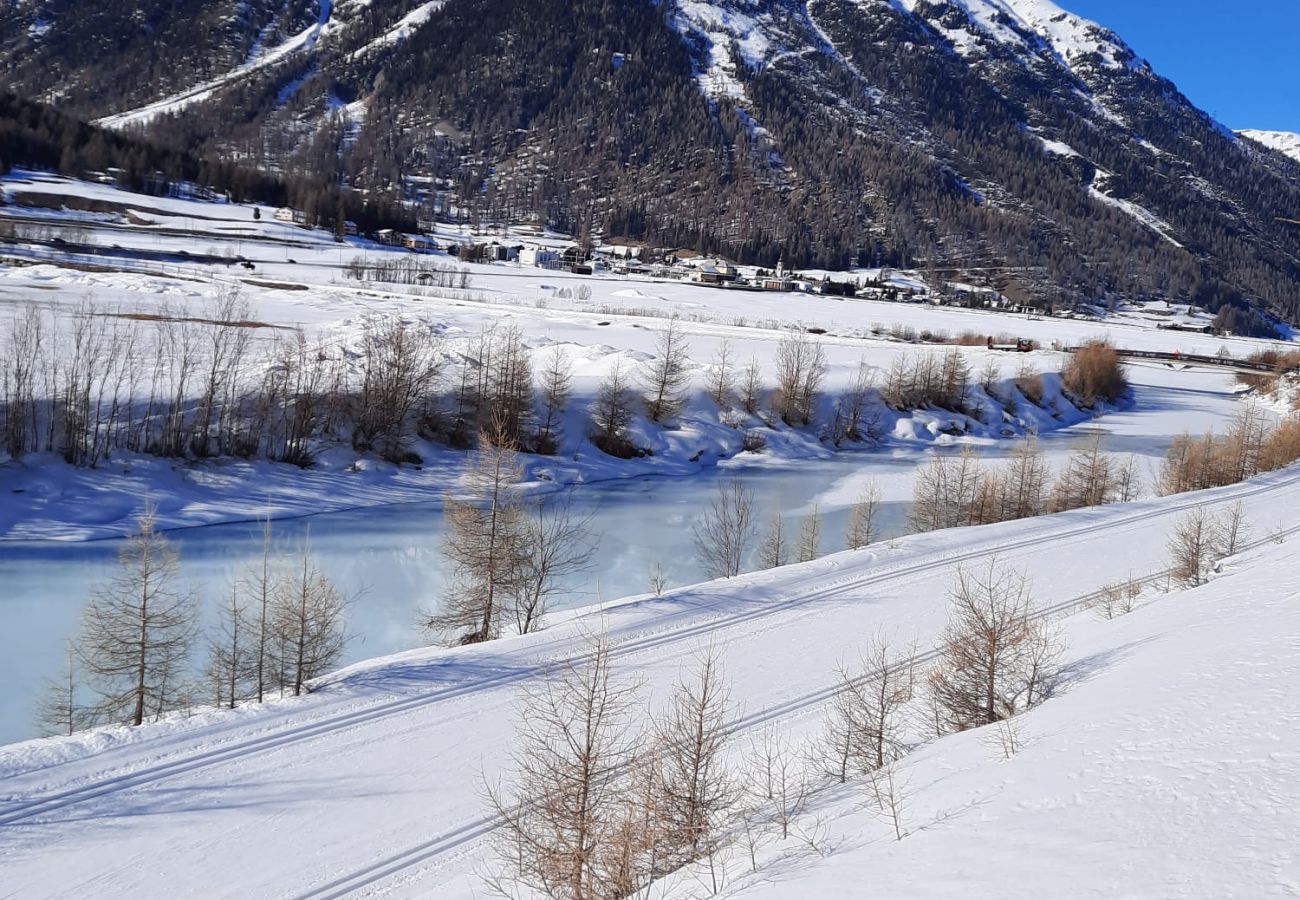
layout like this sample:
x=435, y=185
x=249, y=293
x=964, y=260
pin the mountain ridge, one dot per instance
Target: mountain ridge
x=1008, y=136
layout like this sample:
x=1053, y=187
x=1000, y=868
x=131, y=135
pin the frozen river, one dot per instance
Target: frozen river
x=389, y=560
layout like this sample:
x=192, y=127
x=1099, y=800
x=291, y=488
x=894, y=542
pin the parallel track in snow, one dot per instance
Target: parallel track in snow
x=464, y=835
x=36, y=807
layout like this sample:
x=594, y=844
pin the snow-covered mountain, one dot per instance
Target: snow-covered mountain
x=1282, y=141
x=1008, y=136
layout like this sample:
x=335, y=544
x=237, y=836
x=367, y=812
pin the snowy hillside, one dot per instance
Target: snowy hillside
x=1282, y=141
x=1172, y=720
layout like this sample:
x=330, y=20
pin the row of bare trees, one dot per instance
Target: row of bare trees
x=724, y=535
x=1250, y=446
x=956, y=490
x=132, y=660
x=395, y=269
x=605, y=802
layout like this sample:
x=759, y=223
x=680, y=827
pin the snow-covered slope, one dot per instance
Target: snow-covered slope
x=1282, y=141
x=1163, y=768
x=1167, y=768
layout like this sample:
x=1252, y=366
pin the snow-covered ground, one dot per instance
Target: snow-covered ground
x=1282, y=141
x=1166, y=767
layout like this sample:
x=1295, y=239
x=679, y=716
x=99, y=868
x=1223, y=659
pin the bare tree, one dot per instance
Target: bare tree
x=507, y=390
x=565, y=831
x=945, y=492
x=612, y=411
x=997, y=656
x=862, y=519
x=800, y=371
x=775, y=549
x=1232, y=530
x=865, y=729
x=309, y=614
x=890, y=794
x=852, y=421
x=722, y=375
x=138, y=629
x=1192, y=548
x=400, y=365
x=557, y=386
x=260, y=582
x=723, y=534
x=810, y=537
x=697, y=792
x=668, y=374
x=1024, y=487
x=1089, y=479
x=777, y=780
x=556, y=543
x=658, y=580
x=60, y=711
x=751, y=386
x=229, y=657
x=484, y=542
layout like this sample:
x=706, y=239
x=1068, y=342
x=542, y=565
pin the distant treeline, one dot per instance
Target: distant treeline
x=38, y=136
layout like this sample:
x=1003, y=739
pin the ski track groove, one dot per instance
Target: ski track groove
x=26, y=810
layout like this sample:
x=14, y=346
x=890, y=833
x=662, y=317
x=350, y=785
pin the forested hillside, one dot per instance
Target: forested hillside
x=1001, y=138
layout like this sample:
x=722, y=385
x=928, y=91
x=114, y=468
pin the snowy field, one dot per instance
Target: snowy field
x=1127, y=784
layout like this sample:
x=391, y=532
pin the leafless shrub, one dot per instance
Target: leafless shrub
x=890, y=794
x=1118, y=598
x=1008, y=737
x=1029, y=381
x=754, y=441
x=777, y=780
x=1094, y=374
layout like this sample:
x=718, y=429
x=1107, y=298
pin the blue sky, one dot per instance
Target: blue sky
x=1236, y=59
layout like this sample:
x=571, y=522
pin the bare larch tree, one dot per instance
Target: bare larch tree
x=667, y=375
x=564, y=809
x=998, y=657
x=138, y=629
